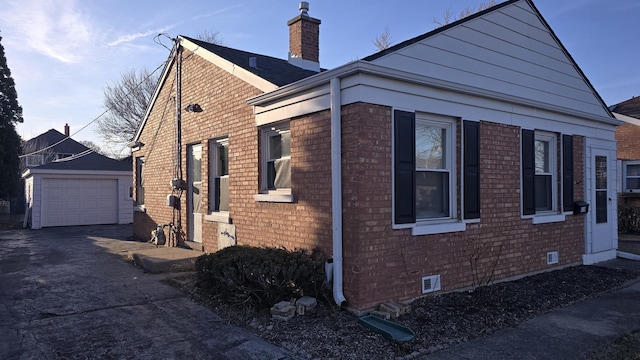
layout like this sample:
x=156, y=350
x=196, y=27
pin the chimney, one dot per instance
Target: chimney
x=66, y=130
x=304, y=40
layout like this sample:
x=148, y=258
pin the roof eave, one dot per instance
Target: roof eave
x=361, y=66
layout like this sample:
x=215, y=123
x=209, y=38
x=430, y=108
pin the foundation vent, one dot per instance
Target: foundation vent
x=430, y=283
x=552, y=257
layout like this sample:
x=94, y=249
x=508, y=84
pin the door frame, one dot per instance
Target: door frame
x=599, y=148
x=194, y=219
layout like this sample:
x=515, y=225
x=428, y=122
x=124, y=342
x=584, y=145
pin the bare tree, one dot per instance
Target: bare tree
x=127, y=101
x=383, y=41
x=449, y=17
x=209, y=36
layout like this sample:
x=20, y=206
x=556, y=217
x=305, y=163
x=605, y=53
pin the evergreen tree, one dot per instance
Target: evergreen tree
x=10, y=115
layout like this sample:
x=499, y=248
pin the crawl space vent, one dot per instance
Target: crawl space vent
x=430, y=283
x=552, y=257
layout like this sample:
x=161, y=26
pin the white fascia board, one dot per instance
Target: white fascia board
x=361, y=66
x=78, y=173
x=627, y=119
x=228, y=66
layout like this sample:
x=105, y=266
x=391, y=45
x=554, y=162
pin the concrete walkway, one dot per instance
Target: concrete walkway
x=65, y=293
x=562, y=334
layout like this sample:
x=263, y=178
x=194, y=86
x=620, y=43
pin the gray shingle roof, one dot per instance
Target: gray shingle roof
x=68, y=146
x=277, y=71
x=629, y=107
x=92, y=161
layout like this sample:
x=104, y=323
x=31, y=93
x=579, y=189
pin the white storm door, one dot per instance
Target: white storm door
x=194, y=193
x=601, y=207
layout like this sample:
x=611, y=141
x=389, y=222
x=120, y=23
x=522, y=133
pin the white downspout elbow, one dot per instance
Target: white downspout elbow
x=336, y=191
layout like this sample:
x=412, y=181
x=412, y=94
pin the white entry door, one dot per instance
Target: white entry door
x=194, y=193
x=602, y=195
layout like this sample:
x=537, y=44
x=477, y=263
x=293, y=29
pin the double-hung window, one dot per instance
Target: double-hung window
x=219, y=175
x=140, y=181
x=425, y=193
x=275, y=183
x=631, y=176
x=434, y=166
x=546, y=173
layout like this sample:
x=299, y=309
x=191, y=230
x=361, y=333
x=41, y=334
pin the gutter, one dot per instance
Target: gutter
x=336, y=191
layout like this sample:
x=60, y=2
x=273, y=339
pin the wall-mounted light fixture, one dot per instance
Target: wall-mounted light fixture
x=193, y=108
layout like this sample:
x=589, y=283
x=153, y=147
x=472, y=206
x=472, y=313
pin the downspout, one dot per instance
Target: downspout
x=336, y=191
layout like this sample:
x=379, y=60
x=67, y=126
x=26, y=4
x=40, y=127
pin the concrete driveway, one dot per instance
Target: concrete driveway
x=68, y=293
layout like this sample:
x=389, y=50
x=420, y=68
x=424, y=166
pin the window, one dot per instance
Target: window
x=631, y=176
x=35, y=160
x=275, y=169
x=541, y=173
x=433, y=169
x=140, y=181
x=545, y=175
x=278, y=158
x=219, y=175
x=424, y=173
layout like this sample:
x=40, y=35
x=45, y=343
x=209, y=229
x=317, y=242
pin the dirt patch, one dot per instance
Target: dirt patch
x=438, y=321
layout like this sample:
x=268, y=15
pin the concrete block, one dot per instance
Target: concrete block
x=305, y=304
x=404, y=308
x=381, y=314
x=392, y=308
x=283, y=311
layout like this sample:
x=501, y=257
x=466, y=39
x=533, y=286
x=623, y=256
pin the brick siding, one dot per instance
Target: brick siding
x=379, y=263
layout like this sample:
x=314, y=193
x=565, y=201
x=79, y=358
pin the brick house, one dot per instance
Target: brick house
x=446, y=161
x=627, y=135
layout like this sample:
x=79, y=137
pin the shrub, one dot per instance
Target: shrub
x=261, y=277
x=628, y=219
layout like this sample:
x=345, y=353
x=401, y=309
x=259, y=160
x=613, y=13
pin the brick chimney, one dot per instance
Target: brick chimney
x=304, y=40
x=66, y=130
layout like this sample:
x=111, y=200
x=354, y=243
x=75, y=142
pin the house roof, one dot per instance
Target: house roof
x=277, y=71
x=492, y=9
x=556, y=83
x=90, y=162
x=68, y=146
x=629, y=107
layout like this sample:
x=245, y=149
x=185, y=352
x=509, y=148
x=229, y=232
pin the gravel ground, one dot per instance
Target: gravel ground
x=438, y=321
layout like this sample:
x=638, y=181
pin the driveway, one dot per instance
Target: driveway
x=69, y=293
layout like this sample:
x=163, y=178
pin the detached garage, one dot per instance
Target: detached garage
x=88, y=190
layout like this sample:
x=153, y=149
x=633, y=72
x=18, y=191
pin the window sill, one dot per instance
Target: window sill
x=544, y=219
x=219, y=217
x=281, y=197
x=140, y=208
x=442, y=228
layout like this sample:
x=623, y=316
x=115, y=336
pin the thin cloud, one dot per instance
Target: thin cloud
x=217, y=12
x=56, y=29
x=131, y=37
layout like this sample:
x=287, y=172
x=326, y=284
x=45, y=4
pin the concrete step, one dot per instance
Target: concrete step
x=165, y=259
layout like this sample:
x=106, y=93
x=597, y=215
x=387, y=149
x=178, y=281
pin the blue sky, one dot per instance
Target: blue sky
x=62, y=53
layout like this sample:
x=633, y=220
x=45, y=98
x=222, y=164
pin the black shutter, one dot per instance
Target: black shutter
x=528, y=173
x=404, y=167
x=567, y=173
x=471, y=170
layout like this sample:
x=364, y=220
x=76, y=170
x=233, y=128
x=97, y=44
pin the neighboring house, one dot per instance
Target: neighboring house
x=60, y=150
x=446, y=161
x=74, y=185
x=627, y=136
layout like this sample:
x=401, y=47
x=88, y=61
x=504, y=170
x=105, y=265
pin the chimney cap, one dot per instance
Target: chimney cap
x=304, y=8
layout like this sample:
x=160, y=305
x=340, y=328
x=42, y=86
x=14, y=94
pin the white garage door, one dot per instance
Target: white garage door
x=67, y=202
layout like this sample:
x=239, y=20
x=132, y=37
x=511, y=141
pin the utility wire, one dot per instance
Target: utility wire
x=94, y=120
